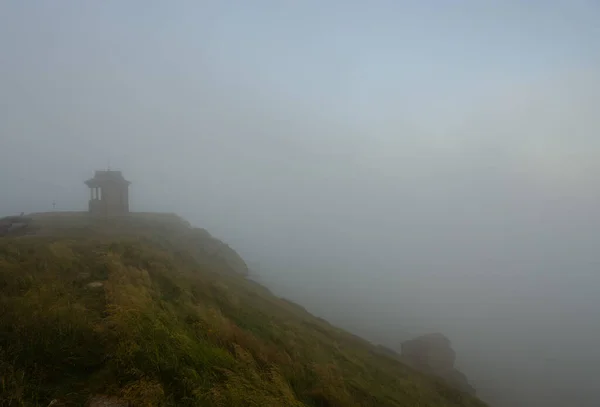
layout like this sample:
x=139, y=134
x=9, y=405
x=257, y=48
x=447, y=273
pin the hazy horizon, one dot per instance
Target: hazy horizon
x=395, y=167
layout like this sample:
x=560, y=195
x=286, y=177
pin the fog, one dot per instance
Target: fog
x=396, y=167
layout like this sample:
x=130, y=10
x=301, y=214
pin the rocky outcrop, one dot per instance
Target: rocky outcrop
x=433, y=354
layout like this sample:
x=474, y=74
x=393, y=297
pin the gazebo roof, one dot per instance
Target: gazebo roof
x=104, y=177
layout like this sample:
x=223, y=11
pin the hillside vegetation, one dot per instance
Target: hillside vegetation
x=157, y=313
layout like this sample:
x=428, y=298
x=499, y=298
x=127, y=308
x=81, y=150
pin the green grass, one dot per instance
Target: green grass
x=173, y=325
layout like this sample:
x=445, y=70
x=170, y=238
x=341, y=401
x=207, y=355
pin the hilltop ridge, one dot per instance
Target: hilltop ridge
x=165, y=228
x=149, y=311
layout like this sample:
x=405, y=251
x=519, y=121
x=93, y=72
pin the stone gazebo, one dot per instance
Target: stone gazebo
x=109, y=193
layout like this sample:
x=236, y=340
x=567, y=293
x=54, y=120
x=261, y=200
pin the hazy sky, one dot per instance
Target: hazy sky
x=398, y=167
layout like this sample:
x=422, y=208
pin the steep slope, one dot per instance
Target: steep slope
x=156, y=313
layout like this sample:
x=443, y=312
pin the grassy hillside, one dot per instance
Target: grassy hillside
x=157, y=313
